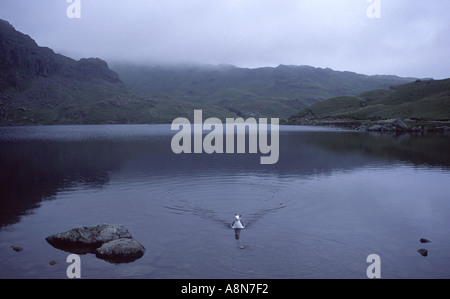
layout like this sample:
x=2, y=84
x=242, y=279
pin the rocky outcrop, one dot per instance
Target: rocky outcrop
x=396, y=125
x=107, y=241
x=399, y=125
x=39, y=86
x=22, y=58
x=307, y=118
x=95, y=68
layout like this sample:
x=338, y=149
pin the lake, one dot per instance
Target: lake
x=334, y=198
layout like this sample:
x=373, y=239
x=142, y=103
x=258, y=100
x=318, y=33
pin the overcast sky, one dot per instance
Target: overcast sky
x=411, y=38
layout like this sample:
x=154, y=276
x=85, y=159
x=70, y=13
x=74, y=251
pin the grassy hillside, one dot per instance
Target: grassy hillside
x=267, y=92
x=420, y=101
x=58, y=100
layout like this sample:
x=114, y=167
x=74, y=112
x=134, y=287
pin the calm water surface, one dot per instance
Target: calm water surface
x=333, y=198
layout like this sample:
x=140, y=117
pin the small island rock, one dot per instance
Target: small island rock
x=112, y=243
x=87, y=238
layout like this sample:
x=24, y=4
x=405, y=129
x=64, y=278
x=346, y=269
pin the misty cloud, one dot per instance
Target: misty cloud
x=412, y=38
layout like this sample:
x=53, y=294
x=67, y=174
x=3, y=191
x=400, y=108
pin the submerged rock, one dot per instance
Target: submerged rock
x=417, y=129
x=17, y=248
x=86, y=239
x=121, y=250
x=423, y=252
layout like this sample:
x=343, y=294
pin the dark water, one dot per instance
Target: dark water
x=333, y=198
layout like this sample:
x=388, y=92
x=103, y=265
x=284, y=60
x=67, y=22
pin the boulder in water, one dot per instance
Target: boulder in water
x=86, y=239
x=121, y=250
x=400, y=125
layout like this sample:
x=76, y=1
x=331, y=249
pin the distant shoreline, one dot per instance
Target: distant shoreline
x=381, y=126
x=413, y=126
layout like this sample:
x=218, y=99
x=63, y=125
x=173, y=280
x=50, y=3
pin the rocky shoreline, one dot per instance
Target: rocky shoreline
x=383, y=126
x=399, y=125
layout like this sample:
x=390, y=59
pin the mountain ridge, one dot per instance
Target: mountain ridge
x=245, y=91
x=23, y=58
x=38, y=86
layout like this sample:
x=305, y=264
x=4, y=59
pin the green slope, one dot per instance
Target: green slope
x=421, y=101
x=60, y=100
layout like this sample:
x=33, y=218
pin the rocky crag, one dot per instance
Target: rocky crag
x=38, y=86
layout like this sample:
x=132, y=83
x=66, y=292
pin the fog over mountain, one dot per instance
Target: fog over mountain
x=149, y=61
x=38, y=86
x=409, y=39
